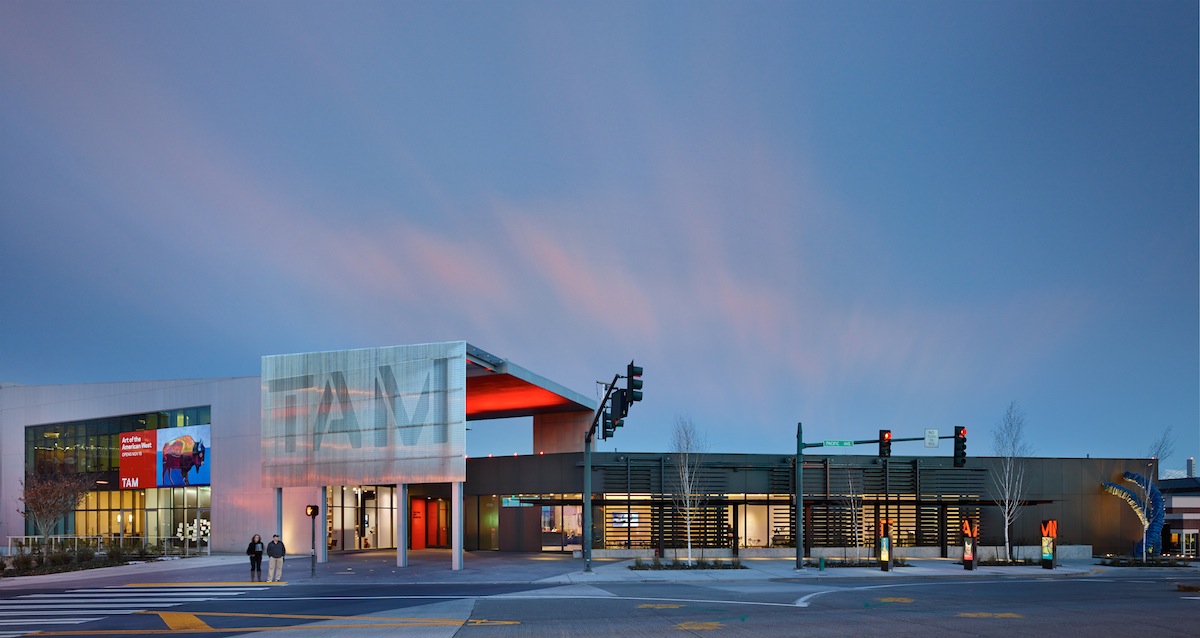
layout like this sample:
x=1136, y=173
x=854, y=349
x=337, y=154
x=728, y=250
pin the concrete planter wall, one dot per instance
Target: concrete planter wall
x=986, y=553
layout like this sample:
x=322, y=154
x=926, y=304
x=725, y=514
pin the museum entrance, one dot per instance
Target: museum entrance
x=361, y=517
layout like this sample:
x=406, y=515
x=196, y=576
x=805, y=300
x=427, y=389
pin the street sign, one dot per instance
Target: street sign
x=931, y=437
x=828, y=443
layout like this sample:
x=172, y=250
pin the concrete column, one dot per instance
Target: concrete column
x=401, y=525
x=278, y=512
x=456, y=525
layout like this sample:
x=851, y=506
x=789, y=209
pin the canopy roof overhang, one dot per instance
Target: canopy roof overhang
x=498, y=388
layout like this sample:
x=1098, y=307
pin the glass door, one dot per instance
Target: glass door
x=562, y=528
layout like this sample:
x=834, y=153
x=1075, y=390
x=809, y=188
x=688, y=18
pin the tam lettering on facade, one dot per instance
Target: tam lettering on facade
x=382, y=415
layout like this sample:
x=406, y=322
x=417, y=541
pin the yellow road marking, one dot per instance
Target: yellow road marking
x=659, y=606
x=182, y=621
x=698, y=626
x=986, y=614
x=895, y=600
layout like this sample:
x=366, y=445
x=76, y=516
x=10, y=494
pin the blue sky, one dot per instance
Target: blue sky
x=857, y=215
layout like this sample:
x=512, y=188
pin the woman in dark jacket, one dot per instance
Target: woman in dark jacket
x=255, y=552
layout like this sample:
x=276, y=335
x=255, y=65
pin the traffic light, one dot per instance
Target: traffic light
x=885, y=443
x=312, y=510
x=633, y=383
x=608, y=427
x=620, y=406
x=960, y=446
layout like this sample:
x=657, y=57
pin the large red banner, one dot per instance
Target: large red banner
x=138, y=456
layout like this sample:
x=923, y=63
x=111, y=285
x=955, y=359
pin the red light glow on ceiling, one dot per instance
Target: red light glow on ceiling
x=502, y=395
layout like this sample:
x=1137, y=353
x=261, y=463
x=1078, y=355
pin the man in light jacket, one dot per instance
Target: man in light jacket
x=275, y=551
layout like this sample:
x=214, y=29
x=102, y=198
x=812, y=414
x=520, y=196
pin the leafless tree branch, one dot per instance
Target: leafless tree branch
x=49, y=496
x=689, y=445
x=1010, y=446
x=1163, y=447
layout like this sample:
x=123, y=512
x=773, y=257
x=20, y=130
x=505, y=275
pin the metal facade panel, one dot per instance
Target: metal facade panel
x=379, y=415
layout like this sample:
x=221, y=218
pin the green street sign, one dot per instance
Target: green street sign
x=838, y=443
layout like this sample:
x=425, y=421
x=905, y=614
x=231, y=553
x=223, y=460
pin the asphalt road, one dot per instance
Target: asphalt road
x=1143, y=604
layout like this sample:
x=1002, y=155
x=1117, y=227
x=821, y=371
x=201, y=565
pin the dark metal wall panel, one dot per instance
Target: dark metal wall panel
x=520, y=529
x=926, y=496
x=1067, y=490
x=541, y=474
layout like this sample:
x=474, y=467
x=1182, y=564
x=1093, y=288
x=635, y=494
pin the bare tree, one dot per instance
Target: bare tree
x=1163, y=447
x=49, y=496
x=689, y=445
x=853, y=501
x=1009, y=445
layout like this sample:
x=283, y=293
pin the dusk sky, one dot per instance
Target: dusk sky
x=858, y=215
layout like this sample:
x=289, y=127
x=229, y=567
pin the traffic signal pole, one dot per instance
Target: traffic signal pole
x=799, y=496
x=800, y=445
x=587, y=500
x=587, y=477
x=622, y=399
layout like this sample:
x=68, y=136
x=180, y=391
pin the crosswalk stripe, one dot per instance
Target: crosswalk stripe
x=159, y=590
x=123, y=595
x=49, y=621
x=86, y=605
x=99, y=605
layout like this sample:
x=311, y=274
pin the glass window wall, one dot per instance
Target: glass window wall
x=361, y=517
x=93, y=446
x=562, y=528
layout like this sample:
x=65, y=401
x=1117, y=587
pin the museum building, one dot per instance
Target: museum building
x=376, y=438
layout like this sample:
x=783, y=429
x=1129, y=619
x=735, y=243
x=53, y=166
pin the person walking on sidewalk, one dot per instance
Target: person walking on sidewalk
x=275, y=552
x=255, y=551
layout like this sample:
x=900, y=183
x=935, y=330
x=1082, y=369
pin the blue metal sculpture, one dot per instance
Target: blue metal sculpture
x=1148, y=506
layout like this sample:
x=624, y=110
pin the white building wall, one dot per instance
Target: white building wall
x=240, y=506
x=1183, y=513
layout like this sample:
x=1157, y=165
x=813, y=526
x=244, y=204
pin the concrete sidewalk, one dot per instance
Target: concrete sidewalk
x=433, y=567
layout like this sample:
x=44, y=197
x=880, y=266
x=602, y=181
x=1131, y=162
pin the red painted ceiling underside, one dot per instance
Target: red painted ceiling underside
x=502, y=395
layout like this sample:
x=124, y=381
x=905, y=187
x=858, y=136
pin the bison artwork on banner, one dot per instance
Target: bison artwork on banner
x=182, y=456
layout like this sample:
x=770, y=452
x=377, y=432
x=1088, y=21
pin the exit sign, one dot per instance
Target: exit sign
x=838, y=443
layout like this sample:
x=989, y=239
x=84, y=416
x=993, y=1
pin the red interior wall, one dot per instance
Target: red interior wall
x=417, y=523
